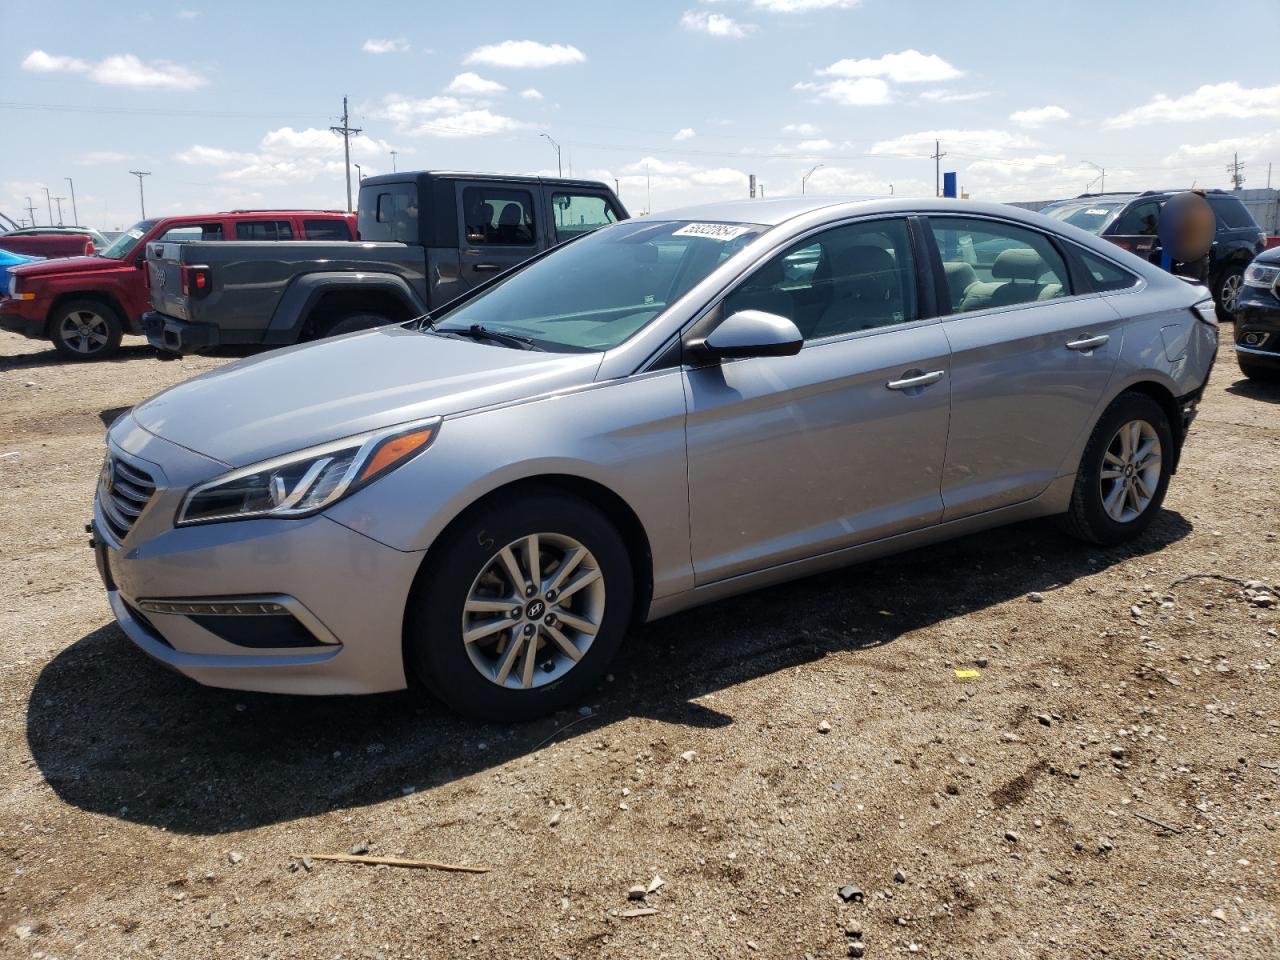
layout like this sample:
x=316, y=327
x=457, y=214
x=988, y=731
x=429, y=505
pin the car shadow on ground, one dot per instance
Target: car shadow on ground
x=1256, y=390
x=116, y=734
x=127, y=353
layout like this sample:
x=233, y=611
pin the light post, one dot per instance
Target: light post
x=74, y=213
x=1100, y=179
x=359, y=172
x=559, y=168
x=393, y=161
x=805, y=178
x=48, y=203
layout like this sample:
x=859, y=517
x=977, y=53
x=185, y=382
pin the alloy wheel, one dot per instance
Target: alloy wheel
x=1130, y=472
x=533, y=611
x=84, y=331
x=1231, y=292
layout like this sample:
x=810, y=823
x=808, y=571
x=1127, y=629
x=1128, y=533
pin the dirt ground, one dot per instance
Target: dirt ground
x=1003, y=814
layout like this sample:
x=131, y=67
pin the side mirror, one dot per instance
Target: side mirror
x=753, y=333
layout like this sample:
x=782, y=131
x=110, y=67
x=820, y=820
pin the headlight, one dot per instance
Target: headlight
x=300, y=484
x=1260, y=275
x=13, y=285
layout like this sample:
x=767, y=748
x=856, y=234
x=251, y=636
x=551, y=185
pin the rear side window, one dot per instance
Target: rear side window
x=326, y=229
x=990, y=263
x=1139, y=220
x=579, y=213
x=264, y=230
x=1232, y=213
x=498, y=217
x=389, y=212
x=1104, y=275
x=192, y=231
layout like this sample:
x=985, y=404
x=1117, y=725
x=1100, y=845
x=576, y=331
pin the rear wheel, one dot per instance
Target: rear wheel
x=86, y=330
x=1265, y=373
x=1124, y=472
x=1226, y=293
x=356, y=321
x=521, y=609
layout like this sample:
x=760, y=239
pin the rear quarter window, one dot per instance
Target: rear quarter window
x=1232, y=213
x=326, y=230
x=1105, y=276
x=264, y=230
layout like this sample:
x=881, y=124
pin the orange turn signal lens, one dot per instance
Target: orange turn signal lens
x=395, y=450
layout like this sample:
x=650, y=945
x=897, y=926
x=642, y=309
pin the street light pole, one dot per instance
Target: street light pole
x=58, y=201
x=805, y=178
x=1101, y=178
x=48, y=203
x=559, y=168
x=359, y=172
x=393, y=161
x=74, y=213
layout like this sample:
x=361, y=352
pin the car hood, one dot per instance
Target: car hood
x=294, y=398
x=47, y=268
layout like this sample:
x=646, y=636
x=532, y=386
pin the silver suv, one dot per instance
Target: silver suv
x=666, y=412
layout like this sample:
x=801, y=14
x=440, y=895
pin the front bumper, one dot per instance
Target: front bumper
x=172, y=335
x=22, y=316
x=343, y=594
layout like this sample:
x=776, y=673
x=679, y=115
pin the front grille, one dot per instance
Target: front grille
x=123, y=493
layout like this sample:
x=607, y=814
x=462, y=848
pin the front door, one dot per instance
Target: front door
x=843, y=443
x=1030, y=362
x=500, y=228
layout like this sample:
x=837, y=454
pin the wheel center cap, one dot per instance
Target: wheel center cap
x=535, y=609
x=1128, y=470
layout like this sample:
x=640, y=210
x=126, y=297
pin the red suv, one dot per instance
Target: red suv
x=84, y=305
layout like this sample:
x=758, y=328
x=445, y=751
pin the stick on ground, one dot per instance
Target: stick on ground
x=394, y=862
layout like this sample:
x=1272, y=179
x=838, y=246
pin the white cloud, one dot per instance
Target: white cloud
x=863, y=92
x=1248, y=148
x=953, y=96
x=803, y=6
x=531, y=94
x=525, y=53
x=909, y=66
x=188, y=14
x=685, y=133
x=715, y=24
x=1037, y=117
x=961, y=141
x=287, y=156
x=442, y=117
x=94, y=157
x=1206, y=102
x=374, y=45
x=474, y=85
x=802, y=129
x=815, y=145
x=200, y=155
x=37, y=61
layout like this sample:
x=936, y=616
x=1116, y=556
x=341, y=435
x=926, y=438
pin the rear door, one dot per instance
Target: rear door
x=499, y=227
x=1030, y=360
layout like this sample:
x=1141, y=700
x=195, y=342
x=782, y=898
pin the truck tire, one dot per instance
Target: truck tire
x=356, y=321
x=85, y=330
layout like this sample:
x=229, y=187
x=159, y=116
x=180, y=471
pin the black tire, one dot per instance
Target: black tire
x=1230, y=278
x=1263, y=373
x=435, y=651
x=1087, y=518
x=353, y=322
x=84, y=330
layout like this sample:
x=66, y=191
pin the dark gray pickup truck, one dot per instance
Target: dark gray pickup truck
x=425, y=238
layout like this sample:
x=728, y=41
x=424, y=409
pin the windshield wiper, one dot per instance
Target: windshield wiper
x=478, y=332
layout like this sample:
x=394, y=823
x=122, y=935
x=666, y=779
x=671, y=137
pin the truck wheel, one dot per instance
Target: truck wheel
x=86, y=330
x=356, y=321
x=1226, y=292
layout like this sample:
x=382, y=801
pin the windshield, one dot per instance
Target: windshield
x=1087, y=216
x=594, y=293
x=121, y=245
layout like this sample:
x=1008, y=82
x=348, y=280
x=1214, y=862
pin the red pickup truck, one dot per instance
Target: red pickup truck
x=84, y=305
x=53, y=241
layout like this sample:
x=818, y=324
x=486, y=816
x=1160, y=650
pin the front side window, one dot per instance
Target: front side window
x=990, y=263
x=1140, y=220
x=595, y=293
x=192, y=231
x=849, y=278
x=498, y=217
x=388, y=212
x=264, y=230
x=579, y=213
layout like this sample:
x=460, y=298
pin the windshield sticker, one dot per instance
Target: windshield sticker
x=136, y=234
x=724, y=232
x=1096, y=212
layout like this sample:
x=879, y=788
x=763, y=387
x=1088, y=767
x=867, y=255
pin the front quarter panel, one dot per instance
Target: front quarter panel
x=627, y=435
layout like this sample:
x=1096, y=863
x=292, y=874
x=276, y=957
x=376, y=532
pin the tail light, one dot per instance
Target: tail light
x=88, y=248
x=196, y=282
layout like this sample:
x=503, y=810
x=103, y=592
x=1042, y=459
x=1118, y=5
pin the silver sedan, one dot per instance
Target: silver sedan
x=669, y=411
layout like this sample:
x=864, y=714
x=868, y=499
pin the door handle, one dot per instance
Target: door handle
x=916, y=380
x=486, y=267
x=1088, y=343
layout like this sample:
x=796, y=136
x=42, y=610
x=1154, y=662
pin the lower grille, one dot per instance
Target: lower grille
x=124, y=491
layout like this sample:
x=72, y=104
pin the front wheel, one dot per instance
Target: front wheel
x=1124, y=472
x=86, y=330
x=521, y=608
x=357, y=321
x=1226, y=293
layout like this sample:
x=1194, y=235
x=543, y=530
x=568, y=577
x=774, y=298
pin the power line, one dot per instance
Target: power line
x=345, y=131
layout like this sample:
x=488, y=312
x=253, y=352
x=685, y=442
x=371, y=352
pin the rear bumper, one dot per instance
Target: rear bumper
x=172, y=335
x=22, y=316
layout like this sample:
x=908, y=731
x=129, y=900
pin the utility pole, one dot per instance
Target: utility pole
x=58, y=201
x=31, y=211
x=48, y=203
x=393, y=161
x=1236, y=169
x=142, y=200
x=559, y=168
x=805, y=178
x=345, y=131
x=937, y=156
x=1268, y=174
x=74, y=213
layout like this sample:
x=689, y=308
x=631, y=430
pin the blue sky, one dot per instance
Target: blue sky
x=228, y=103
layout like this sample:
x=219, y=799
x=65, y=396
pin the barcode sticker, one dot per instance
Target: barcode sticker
x=723, y=232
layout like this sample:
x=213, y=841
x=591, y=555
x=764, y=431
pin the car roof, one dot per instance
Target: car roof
x=775, y=211
x=405, y=176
